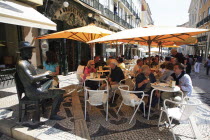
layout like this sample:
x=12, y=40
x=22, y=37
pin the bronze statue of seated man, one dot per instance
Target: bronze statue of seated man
x=33, y=82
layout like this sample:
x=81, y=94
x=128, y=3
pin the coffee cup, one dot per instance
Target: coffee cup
x=173, y=84
x=91, y=75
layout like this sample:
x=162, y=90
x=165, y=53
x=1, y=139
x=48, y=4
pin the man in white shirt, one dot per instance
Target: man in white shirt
x=183, y=80
x=137, y=67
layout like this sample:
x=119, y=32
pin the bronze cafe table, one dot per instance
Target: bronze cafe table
x=162, y=87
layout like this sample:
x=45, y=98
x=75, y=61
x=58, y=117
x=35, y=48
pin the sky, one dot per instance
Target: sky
x=169, y=12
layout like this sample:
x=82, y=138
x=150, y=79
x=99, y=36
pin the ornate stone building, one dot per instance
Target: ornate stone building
x=203, y=21
x=114, y=15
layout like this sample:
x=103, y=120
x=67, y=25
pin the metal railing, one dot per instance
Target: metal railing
x=109, y=14
x=203, y=21
x=202, y=38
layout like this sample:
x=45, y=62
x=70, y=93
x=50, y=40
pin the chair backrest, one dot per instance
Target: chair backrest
x=127, y=99
x=19, y=86
x=129, y=82
x=96, y=97
x=188, y=106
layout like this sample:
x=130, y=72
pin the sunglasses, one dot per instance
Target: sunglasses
x=92, y=64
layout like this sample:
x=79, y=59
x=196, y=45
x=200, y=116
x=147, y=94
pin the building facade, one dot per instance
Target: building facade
x=146, y=14
x=203, y=21
x=146, y=19
x=13, y=29
x=114, y=15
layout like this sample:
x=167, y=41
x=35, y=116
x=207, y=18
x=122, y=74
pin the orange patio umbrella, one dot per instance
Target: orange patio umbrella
x=83, y=34
x=152, y=34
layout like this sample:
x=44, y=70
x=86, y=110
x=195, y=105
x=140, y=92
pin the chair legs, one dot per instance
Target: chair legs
x=136, y=111
x=37, y=115
x=85, y=108
x=144, y=108
x=170, y=127
x=114, y=95
x=192, y=127
x=119, y=107
x=107, y=111
x=161, y=113
x=20, y=112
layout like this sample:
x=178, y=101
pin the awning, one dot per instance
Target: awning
x=87, y=6
x=17, y=13
x=109, y=22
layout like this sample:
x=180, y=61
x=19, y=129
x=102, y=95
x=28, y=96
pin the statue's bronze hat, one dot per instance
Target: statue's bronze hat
x=25, y=45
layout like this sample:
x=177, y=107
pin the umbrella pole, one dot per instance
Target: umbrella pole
x=92, y=50
x=160, y=49
x=149, y=42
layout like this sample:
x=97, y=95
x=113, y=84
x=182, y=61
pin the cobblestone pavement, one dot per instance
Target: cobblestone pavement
x=117, y=127
x=5, y=137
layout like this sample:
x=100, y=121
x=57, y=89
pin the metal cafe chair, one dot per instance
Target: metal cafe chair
x=182, y=112
x=130, y=99
x=97, y=98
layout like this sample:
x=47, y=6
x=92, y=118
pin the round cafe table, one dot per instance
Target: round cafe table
x=96, y=79
x=162, y=87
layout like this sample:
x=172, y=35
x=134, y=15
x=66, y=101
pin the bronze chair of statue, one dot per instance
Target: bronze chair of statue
x=24, y=100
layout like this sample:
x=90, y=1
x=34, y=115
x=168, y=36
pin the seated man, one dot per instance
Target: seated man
x=155, y=62
x=33, y=82
x=143, y=83
x=137, y=67
x=183, y=80
x=116, y=75
x=167, y=73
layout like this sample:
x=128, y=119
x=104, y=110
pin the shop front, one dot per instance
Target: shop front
x=17, y=24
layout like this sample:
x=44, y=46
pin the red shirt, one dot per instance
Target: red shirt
x=88, y=71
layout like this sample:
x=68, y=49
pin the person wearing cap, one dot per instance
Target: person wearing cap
x=116, y=74
x=33, y=82
x=179, y=56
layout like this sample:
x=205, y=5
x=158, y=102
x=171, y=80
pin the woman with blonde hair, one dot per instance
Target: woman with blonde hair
x=89, y=69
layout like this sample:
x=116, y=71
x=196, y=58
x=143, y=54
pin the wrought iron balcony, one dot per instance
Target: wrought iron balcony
x=202, y=38
x=106, y=12
x=203, y=21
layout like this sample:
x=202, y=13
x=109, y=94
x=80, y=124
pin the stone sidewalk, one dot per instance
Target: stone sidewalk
x=75, y=127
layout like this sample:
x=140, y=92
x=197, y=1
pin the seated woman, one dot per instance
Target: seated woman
x=89, y=69
x=121, y=64
x=143, y=83
x=81, y=69
x=51, y=64
x=167, y=73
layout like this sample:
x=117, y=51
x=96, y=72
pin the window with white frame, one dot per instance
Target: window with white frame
x=208, y=11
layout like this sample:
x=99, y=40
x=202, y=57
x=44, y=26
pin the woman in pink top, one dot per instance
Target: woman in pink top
x=90, y=68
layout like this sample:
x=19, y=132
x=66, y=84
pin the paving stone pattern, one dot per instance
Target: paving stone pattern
x=117, y=126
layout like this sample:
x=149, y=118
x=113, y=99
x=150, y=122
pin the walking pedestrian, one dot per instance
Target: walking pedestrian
x=198, y=61
x=207, y=66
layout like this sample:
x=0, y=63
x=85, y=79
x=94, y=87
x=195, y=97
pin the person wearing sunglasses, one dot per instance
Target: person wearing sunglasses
x=89, y=69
